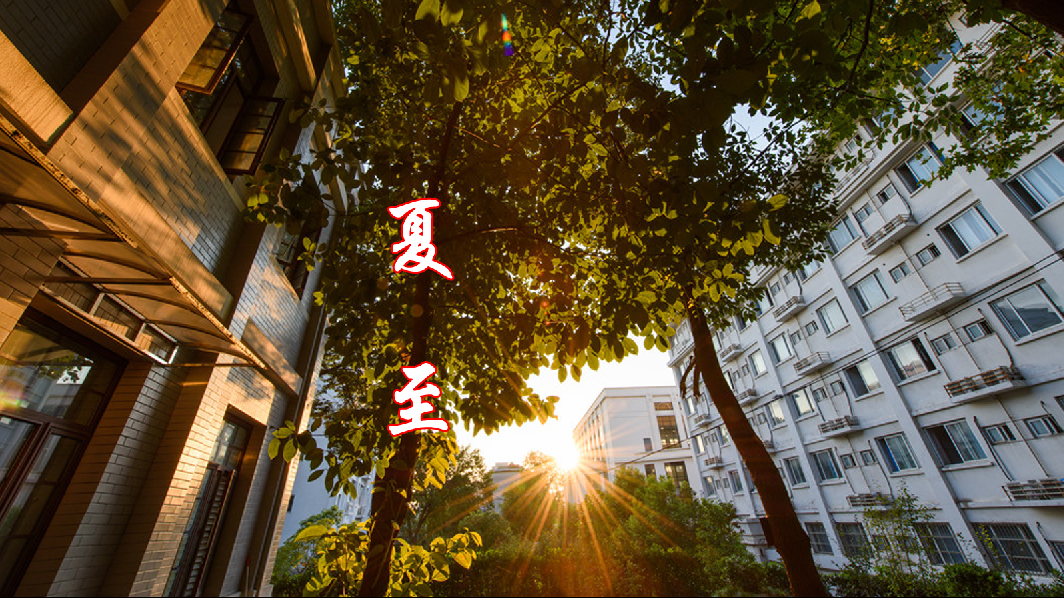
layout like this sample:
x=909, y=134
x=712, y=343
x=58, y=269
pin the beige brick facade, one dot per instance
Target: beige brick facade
x=108, y=174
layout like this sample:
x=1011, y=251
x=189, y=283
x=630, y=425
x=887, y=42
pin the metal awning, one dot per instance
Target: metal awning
x=107, y=254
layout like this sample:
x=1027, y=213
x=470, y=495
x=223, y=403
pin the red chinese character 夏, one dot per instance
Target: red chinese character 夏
x=415, y=394
x=418, y=252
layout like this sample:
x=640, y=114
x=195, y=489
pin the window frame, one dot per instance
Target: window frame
x=894, y=357
x=862, y=296
x=1047, y=294
x=1032, y=199
x=975, y=216
x=1001, y=541
x=1051, y=427
x=887, y=451
x=754, y=364
x=825, y=321
x=954, y=443
x=907, y=170
x=819, y=541
x=932, y=251
x=799, y=398
x=845, y=225
x=774, y=350
x=795, y=473
x=820, y=466
x=856, y=373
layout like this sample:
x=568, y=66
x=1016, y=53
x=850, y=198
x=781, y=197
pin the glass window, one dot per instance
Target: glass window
x=896, y=453
x=736, y=481
x=847, y=460
x=831, y=316
x=794, y=471
x=676, y=471
x=944, y=343
x=998, y=434
x=928, y=72
x=711, y=490
x=862, y=378
x=863, y=213
x=648, y=445
x=939, y=543
x=970, y=229
x=818, y=537
x=910, y=359
x=662, y=406
x=886, y=193
x=928, y=254
x=837, y=388
x=795, y=337
x=1041, y=426
x=869, y=292
x=853, y=539
x=868, y=457
x=774, y=410
x=811, y=328
x=842, y=235
x=954, y=443
x=1040, y=185
x=1029, y=310
x=757, y=363
x=801, y=402
x=819, y=394
x=775, y=288
x=779, y=348
x=670, y=433
x=699, y=446
x=900, y=271
x=919, y=168
x=977, y=330
x=1013, y=547
x=218, y=50
x=723, y=435
x=648, y=470
x=826, y=467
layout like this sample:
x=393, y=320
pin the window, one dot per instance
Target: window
x=900, y=271
x=794, y=471
x=969, y=230
x=928, y=72
x=670, y=433
x=928, y=254
x=736, y=481
x=886, y=193
x=676, y=471
x=292, y=246
x=787, y=278
x=910, y=359
x=1013, y=547
x=775, y=288
x=896, y=453
x=757, y=363
x=998, y=434
x=801, y=402
x=1042, y=426
x=711, y=489
x=723, y=436
x=779, y=348
x=662, y=406
x=826, y=467
x=774, y=411
x=819, y=394
x=648, y=469
x=868, y=457
x=831, y=316
x=811, y=328
x=795, y=337
x=863, y=213
x=869, y=292
x=954, y=443
x=977, y=330
x=740, y=323
x=847, y=460
x=212, y=59
x=699, y=446
x=919, y=168
x=818, y=538
x=1041, y=184
x=939, y=543
x=837, y=388
x=1029, y=310
x=862, y=378
x=746, y=369
x=842, y=235
x=944, y=343
x=648, y=445
x=853, y=539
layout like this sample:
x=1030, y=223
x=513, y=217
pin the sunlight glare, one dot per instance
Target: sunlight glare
x=565, y=454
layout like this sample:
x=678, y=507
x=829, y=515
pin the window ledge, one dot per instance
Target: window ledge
x=983, y=246
x=979, y=463
x=1055, y=328
x=834, y=482
x=845, y=247
x=1051, y=207
x=802, y=418
x=837, y=330
x=907, y=472
x=783, y=361
x=869, y=395
x=802, y=486
x=879, y=307
x=919, y=377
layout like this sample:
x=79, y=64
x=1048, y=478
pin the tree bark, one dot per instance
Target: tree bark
x=791, y=541
x=1047, y=12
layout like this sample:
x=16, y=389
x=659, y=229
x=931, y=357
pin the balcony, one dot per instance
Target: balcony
x=699, y=420
x=812, y=363
x=1045, y=489
x=940, y=297
x=874, y=499
x=752, y=532
x=730, y=352
x=985, y=384
x=746, y=396
x=770, y=446
x=789, y=308
x=713, y=462
x=840, y=427
x=896, y=228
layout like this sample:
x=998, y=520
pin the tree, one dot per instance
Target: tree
x=533, y=504
x=294, y=563
x=440, y=511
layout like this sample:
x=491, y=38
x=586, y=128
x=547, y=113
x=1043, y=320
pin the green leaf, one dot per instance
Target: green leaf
x=311, y=532
x=428, y=8
x=275, y=445
x=811, y=10
x=452, y=12
x=464, y=558
x=289, y=450
x=736, y=82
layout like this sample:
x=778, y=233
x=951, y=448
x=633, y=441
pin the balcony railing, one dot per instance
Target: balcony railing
x=789, y=308
x=1045, y=489
x=700, y=419
x=730, y=352
x=874, y=499
x=812, y=363
x=714, y=462
x=985, y=384
x=746, y=396
x=840, y=426
x=940, y=297
x=770, y=446
x=895, y=228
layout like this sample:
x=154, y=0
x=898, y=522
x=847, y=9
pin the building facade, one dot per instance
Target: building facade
x=151, y=338
x=640, y=427
x=922, y=356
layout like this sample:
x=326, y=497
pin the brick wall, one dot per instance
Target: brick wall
x=24, y=262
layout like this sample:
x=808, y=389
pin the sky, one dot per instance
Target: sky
x=511, y=444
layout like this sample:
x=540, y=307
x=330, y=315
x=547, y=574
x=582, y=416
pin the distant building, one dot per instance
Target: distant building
x=640, y=427
x=503, y=475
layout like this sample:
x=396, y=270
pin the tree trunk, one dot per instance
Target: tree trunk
x=1047, y=12
x=791, y=541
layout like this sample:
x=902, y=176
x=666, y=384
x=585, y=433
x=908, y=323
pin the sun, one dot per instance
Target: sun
x=565, y=455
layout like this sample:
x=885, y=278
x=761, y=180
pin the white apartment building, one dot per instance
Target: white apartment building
x=926, y=354
x=641, y=427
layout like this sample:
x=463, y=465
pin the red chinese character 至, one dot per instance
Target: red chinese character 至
x=418, y=252
x=415, y=395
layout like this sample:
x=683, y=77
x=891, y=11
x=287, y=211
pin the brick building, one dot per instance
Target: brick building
x=150, y=338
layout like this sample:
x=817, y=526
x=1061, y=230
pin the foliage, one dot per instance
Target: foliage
x=294, y=563
x=466, y=489
x=533, y=503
